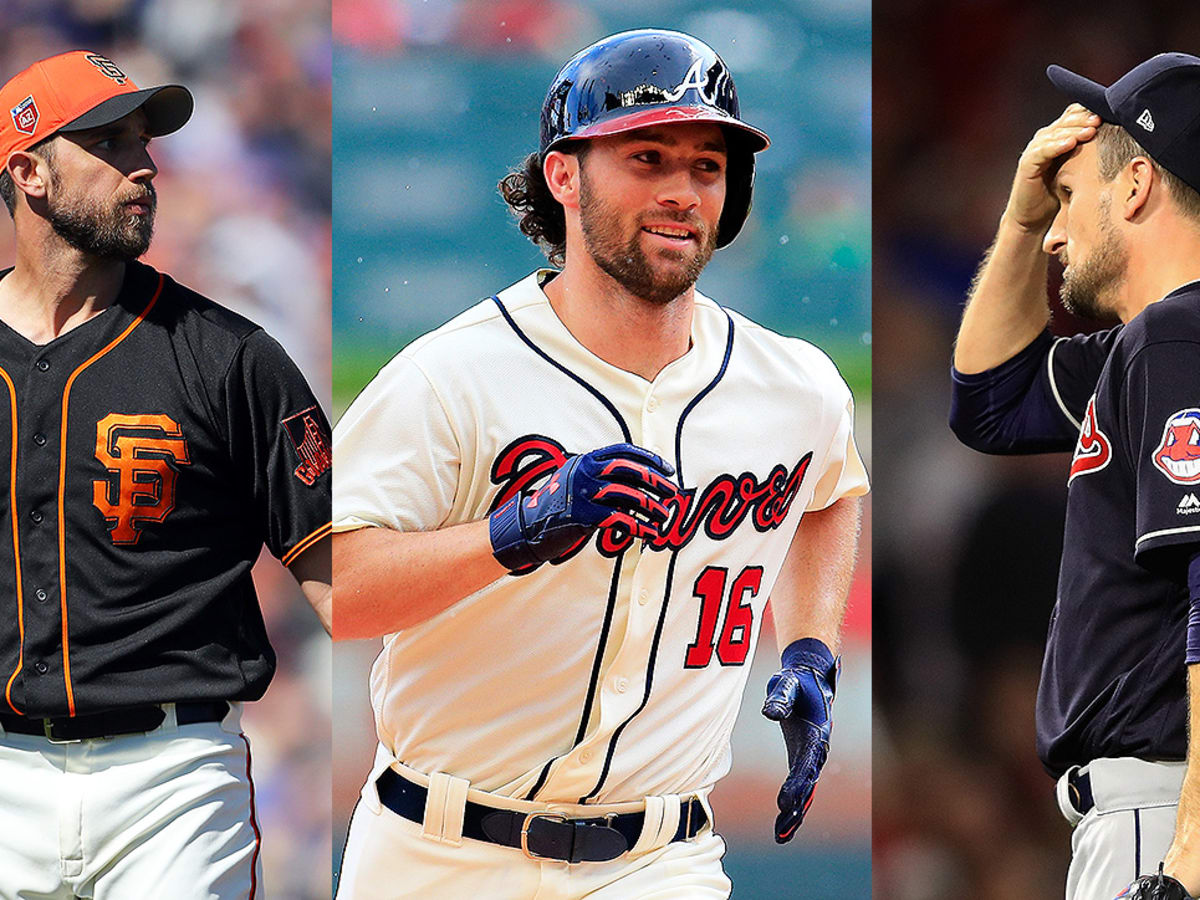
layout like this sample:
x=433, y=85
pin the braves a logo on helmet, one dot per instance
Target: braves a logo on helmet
x=25, y=116
x=1178, y=454
x=718, y=509
x=705, y=83
x=144, y=451
x=1094, y=449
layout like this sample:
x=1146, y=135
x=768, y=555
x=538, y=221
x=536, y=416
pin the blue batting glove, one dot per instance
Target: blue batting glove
x=621, y=485
x=800, y=699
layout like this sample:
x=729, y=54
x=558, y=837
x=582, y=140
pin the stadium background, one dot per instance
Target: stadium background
x=433, y=103
x=243, y=218
x=966, y=546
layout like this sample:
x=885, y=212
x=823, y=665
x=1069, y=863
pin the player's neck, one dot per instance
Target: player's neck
x=1159, y=267
x=54, y=288
x=623, y=330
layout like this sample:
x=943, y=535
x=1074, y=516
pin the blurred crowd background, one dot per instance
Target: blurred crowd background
x=434, y=102
x=243, y=218
x=966, y=546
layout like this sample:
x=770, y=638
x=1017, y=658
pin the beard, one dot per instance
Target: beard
x=106, y=231
x=624, y=260
x=1088, y=285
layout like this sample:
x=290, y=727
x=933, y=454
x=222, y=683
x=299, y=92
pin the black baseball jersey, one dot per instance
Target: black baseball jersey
x=151, y=451
x=1127, y=400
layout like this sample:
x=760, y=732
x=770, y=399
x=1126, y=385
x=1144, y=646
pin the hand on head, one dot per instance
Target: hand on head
x=1031, y=204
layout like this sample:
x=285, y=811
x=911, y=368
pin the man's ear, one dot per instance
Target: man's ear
x=1135, y=184
x=561, y=171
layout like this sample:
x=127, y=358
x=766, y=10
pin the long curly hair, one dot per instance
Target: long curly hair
x=539, y=216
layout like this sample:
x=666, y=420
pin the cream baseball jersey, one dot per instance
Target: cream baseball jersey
x=616, y=672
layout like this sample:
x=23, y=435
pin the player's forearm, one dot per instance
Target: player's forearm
x=1183, y=859
x=1006, y=306
x=385, y=580
x=810, y=594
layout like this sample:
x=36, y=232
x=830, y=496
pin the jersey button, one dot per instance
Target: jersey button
x=622, y=685
x=41, y=667
x=36, y=516
x=39, y=439
x=643, y=597
x=585, y=756
x=43, y=365
x=40, y=594
x=652, y=404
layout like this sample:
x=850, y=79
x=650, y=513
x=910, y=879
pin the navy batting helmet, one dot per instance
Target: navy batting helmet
x=653, y=77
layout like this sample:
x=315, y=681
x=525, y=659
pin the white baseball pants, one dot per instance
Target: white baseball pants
x=1128, y=831
x=164, y=814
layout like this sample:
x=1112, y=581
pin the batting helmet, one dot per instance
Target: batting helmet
x=654, y=77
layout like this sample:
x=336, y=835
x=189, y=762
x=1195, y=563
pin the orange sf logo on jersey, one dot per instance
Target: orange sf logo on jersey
x=142, y=450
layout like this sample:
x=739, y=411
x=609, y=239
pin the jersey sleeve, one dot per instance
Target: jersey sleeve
x=1160, y=399
x=279, y=439
x=397, y=455
x=844, y=474
x=1033, y=402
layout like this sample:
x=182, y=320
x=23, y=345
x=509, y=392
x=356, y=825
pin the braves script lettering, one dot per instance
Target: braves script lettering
x=719, y=508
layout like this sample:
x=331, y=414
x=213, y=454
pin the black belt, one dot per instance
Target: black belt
x=1079, y=789
x=541, y=835
x=131, y=720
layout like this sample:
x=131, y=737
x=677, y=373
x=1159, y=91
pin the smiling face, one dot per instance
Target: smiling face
x=100, y=198
x=649, y=204
x=1084, y=237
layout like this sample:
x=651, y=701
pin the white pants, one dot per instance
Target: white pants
x=164, y=814
x=389, y=858
x=1128, y=831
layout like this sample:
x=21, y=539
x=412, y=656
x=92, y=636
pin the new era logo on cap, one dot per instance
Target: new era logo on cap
x=1146, y=120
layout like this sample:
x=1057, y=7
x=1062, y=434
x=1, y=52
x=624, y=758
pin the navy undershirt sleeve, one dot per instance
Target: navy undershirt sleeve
x=1011, y=408
x=1193, y=632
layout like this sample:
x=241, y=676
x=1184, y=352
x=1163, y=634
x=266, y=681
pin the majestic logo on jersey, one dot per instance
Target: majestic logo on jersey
x=25, y=116
x=1188, y=505
x=311, y=443
x=1094, y=449
x=719, y=508
x=1178, y=454
x=107, y=67
x=143, y=451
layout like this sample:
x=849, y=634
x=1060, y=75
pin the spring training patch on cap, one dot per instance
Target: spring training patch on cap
x=107, y=67
x=25, y=116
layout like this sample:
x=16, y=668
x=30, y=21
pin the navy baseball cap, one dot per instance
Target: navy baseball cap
x=1157, y=102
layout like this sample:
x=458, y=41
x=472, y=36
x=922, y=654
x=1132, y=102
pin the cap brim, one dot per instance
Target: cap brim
x=1082, y=90
x=670, y=115
x=167, y=109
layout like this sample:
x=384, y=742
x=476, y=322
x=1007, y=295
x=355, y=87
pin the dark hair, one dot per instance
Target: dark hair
x=8, y=190
x=1117, y=147
x=539, y=216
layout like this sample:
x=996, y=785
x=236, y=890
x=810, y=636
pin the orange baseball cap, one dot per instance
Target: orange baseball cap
x=78, y=90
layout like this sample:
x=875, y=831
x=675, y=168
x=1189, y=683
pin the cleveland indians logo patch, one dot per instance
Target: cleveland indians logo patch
x=718, y=509
x=1178, y=454
x=25, y=116
x=1094, y=449
x=311, y=443
x=144, y=452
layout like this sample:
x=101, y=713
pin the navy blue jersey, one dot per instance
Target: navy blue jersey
x=1127, y=401
x=150, y=454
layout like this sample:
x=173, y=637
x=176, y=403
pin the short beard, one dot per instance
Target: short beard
x=111, y=232
x=1088, y=285
x=625, y=262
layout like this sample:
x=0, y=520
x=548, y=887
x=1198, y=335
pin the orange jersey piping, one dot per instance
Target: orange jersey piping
x=12, y=505
x=62, y=478
x=306, y=542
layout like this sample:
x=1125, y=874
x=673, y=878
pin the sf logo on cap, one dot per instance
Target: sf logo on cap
x=107, y=67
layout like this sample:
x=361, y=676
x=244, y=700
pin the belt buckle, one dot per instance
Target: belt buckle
x=529, y=818
x=48, y=729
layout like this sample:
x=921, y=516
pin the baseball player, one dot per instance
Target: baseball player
x=1112, y=188
x=567, y=508
x=154, y=441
